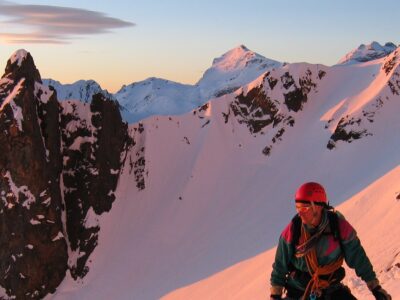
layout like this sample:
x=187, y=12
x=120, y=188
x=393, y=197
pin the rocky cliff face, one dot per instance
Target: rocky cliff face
x=94, y=140
x=270, y=106
x=33, y=249
x=59, y=168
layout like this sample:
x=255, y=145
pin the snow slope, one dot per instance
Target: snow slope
x=213, y=201
x=377, y=204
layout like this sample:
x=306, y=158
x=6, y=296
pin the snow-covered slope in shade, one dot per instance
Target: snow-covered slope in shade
x=82, y=90
x=211, y=188
x=155, y=96
x=374, y=212
x=233, y=70
x=368, y=52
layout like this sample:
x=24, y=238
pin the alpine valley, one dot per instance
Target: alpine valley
x=175, y=191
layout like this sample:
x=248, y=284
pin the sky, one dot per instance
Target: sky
x=124, y=41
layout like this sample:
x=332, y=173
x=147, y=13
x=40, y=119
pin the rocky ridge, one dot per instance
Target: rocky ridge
x=270, y=107
x=59, y=165
x=33, y=248
x=368, y=52
x=82, y=90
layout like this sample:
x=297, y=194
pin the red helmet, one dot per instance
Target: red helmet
x=311, y=192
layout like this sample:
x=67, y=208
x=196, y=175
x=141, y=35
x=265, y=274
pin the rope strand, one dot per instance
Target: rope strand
x=316, y=284
x=310, y=242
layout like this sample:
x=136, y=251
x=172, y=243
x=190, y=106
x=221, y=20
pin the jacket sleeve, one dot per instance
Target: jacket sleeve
x=354, y=253
x=283, y=254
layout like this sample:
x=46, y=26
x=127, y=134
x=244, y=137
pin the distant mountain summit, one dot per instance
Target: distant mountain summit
x=227, y=74
x=232, y=70
x=368, y=52
x=155, y=96
x=239, y=58
x=82, y=90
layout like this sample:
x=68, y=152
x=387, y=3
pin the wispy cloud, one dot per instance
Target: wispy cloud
x=47, y=24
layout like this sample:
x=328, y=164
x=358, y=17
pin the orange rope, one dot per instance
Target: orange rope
x=317, y=284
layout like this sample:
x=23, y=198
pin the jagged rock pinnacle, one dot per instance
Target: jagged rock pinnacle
x=21, y=65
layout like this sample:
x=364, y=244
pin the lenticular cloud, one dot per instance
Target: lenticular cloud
x=54, y=24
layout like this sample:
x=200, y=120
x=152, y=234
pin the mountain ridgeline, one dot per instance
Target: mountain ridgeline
x=59, y=167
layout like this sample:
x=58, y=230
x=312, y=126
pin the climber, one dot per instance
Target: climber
x=311, y=251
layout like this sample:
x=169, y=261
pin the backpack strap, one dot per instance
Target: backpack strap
x=334, y=225
x=296, y=231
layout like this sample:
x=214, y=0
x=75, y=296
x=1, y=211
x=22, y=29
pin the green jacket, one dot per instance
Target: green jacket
x=328, y=250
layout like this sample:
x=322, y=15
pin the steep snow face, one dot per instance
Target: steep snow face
x=203, y=191
x=156, y=96
x=368, y=52
x=232, y=70
x=359, y=112
x=82, y=90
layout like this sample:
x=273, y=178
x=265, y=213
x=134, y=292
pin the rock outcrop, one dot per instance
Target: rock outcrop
x=270, y=106
x=59, y=164
x=93, y=140
x=33, y=248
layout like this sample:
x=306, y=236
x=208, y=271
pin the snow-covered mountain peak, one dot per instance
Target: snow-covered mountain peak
x=156, y=96
x=368, y=52
x=238, y=58
x=151, y=85
x=233, y=69
x=81, y=89
x=230, y=71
